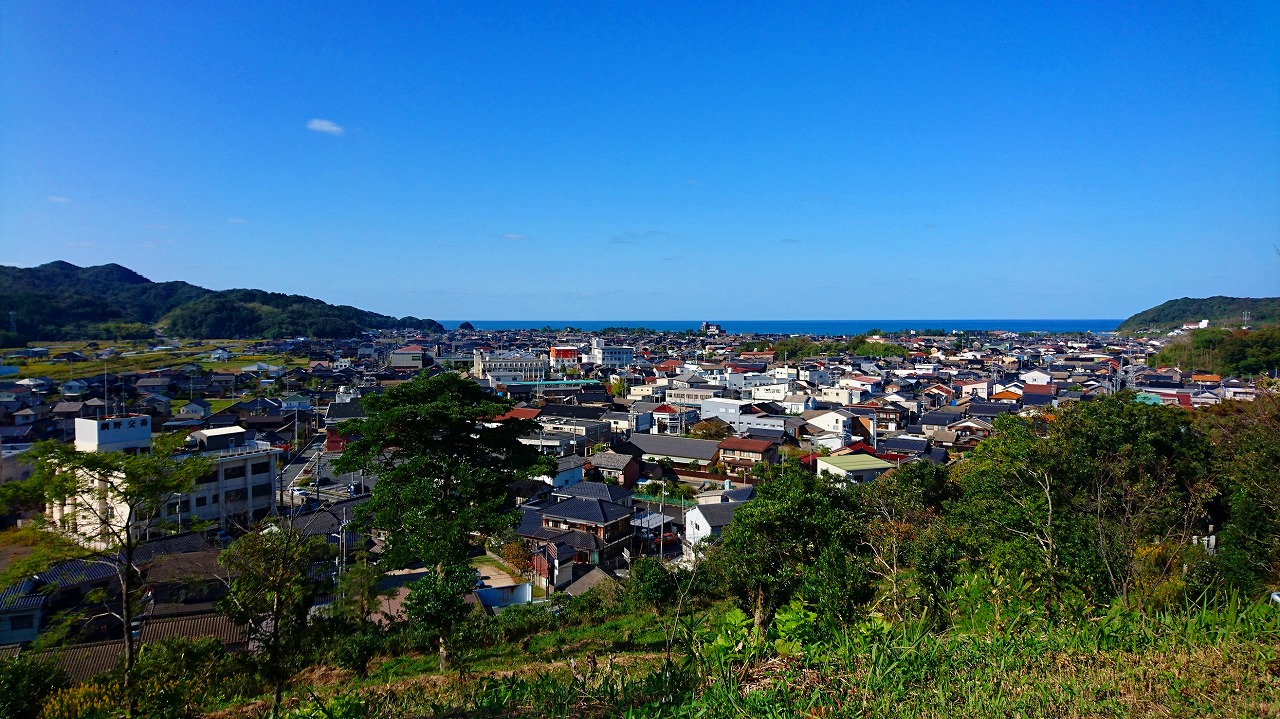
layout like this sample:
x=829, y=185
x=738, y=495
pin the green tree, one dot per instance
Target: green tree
x=443, y=467
x=651, y=583
x=25, y=684
x=438, y=602
x=1246, y=439
x=108, y=503
x=777, y=536
x=270, y=593
x=1075, y=500
x=360, y=592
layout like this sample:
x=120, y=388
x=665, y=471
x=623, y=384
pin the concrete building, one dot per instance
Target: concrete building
x=239, y=491
x=410, y=357
x=564, y=357
x=605, y=355
x=529, y=366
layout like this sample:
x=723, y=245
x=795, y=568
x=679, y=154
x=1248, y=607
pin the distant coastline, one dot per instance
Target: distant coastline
x=807, y=327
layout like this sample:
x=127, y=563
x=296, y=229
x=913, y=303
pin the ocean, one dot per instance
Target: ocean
x=807, y=327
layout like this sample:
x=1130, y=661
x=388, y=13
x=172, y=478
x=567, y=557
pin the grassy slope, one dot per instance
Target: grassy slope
x=1215, y=663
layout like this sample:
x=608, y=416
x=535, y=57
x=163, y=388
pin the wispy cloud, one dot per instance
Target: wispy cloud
x=691, y=181
x=236, y=220
x=632, y=238
x=514, y=236
x=326, y=126
x=58, y=198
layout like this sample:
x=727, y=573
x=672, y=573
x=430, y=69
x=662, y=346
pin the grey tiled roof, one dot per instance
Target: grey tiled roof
x=594, y=511
x=595, y=490
x=668, y=446
x=719, y=514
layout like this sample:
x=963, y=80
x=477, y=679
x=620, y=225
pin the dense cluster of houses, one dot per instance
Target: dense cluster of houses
x=621, y=415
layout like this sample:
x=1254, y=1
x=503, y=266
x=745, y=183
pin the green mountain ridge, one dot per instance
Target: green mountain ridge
x=61, y=301
x=1218, y=310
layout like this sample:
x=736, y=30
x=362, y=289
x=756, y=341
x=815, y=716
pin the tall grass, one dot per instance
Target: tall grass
x=1211, y=657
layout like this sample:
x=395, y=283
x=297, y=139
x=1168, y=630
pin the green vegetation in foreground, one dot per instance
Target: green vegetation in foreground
x=1218, y=310
x=1201, y=660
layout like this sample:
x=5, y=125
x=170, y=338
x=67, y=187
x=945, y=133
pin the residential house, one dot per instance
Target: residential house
x=852, y=467
x=705, y=522
x=741, y=455
x=615, y=468
x=655, y=447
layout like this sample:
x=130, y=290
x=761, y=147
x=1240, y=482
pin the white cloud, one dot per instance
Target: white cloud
x=58, y=198
x=327, y=126
x=236, y=220
x=514, y=236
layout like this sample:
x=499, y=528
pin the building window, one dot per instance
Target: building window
x=262, y=490
x=260, y=468
x=233, y=472
x=201, y=501
x=24, y=621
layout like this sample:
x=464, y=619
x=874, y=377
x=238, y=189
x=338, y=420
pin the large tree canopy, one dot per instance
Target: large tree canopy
x=443, y=465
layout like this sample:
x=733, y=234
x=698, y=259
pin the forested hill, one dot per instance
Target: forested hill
x=60, y=301
x=1218, y=310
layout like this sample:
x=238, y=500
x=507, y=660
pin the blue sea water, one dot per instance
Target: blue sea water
x=808, y=327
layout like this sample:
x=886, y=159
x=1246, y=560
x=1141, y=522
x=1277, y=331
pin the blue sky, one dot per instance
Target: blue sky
x=653, y=160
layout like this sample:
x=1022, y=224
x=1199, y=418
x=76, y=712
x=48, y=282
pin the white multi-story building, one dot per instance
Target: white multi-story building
x=529, y=366
x=238, y=492
x=603, y=355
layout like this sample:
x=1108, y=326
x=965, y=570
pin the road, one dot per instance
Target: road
x=314, y=459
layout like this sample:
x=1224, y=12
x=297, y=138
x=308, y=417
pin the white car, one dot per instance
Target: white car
x=298, y=491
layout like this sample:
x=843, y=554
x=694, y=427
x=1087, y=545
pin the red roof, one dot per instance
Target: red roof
x=665, y=409
x=409, y=348
x=519, y=413
x=1038, y=389
x=740, y=444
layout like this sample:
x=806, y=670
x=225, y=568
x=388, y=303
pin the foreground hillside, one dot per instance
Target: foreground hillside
x=60, y=301
x=1218, y=310
x=1206, y=661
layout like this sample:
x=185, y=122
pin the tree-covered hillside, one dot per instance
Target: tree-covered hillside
x=1218, y=310
x=60, y=301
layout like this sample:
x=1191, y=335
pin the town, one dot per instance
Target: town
x=655, y=440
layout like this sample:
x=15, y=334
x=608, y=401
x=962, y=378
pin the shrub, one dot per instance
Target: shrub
x=24, y=685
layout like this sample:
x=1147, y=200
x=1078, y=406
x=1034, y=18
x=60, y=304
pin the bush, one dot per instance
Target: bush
x=24, y=685
x=354, y=652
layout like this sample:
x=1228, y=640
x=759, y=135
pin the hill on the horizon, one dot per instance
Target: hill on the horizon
x=1218, y=310
x=60, y=301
